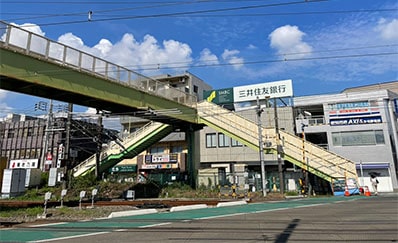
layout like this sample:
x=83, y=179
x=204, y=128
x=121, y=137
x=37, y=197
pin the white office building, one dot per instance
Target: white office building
x=359, y=124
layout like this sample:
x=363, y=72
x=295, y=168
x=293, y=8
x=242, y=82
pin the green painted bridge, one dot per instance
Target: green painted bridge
x=34, y=65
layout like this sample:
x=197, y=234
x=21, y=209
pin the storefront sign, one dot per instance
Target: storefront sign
x=276, y=89
x=161, y=158
x=24, y=163
x=159, y=166
x=355, y=121
x=349, y=105
x=221, y=96
x=123, y=168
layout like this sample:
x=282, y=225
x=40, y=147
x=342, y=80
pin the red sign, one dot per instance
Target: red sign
x=49, y=156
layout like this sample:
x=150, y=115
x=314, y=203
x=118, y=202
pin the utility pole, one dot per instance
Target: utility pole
x=99, y=146
x=67, y=145
x=261, y=146
x=278, y=150
x=305, y=162
x=46, y=136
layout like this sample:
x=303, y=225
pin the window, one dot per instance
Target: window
x=211, y=140
x=176, y=149
x=223, y=140
x=235, y=143
x=22, y=153
x=358, y=138
x=30, y=131
x=195, y=89
x=222, y=177
x=10, y=133
x=157, y=150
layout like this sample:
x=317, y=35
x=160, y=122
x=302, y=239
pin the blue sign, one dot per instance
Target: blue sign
x=355, y=121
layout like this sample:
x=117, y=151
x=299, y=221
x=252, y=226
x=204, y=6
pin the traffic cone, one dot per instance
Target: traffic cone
x=346, y=192
x=367, y=192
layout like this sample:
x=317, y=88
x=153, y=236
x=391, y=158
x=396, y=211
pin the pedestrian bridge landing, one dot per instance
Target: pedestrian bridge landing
x=34, y=65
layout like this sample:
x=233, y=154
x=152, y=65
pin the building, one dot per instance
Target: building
x=359, y=124
x=28, y=142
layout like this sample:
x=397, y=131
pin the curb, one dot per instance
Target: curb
x=234, y=203
x=132, y=212
x=188, y=207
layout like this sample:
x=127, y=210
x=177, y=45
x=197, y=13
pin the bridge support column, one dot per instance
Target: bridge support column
x=193, y=159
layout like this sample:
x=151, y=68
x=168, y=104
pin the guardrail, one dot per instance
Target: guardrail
x=20, y=40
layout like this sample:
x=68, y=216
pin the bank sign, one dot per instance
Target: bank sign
x=277, y=89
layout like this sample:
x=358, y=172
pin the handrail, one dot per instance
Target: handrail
x=326, y=162
x=20, y=40
x=131, y=137
x=211, y=110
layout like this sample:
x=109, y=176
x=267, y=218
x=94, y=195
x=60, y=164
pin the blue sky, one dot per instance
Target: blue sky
x=323, y=46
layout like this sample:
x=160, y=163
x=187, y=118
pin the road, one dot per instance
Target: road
x=333, y=219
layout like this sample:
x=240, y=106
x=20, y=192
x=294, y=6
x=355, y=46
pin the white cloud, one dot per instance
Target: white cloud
x=148, y=53
x=70, y=39
x=288, y=40
x=207, y=57
x=104, y=46
x=252, y=47
x=388, y=30
x=31, y=27
x=4, y=108
x=230, y=56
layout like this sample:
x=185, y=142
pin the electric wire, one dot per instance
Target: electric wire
x=41, y=16
x=182, y=13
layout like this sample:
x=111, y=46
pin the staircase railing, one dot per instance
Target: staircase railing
x=234, y=125
x=317, y=160
x=115, y=148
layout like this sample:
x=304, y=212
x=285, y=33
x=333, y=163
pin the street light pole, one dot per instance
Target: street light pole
x=305, y=162
x=261, y=146
x=279, y=150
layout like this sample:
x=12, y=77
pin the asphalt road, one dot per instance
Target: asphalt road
x=354, y=219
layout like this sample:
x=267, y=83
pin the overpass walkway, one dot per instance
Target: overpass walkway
x=35, y=65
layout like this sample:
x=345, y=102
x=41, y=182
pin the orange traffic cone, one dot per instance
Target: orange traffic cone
x=346, y=192
x=367, y=192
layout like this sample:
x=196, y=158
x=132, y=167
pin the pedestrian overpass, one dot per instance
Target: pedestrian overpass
x=34, y=65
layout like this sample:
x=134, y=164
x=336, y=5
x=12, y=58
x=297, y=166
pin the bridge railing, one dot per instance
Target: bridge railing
x=35, y=45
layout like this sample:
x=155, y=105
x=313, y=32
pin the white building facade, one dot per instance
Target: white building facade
x=358, y=125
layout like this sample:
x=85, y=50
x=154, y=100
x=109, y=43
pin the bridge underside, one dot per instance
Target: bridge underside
x=32, y=76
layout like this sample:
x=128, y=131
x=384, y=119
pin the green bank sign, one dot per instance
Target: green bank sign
x=221, y=96
x=277, y=89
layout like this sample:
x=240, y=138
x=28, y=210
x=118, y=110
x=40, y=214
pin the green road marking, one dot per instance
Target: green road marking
x=73, y=229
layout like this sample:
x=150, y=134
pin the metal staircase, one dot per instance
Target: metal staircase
x=315, y=159
x=134, y=144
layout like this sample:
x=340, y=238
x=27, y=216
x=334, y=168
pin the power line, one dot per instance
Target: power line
x=182, y=13
x=281, y=55
x=127, y=2
x=41, y=16
x=274, y=61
